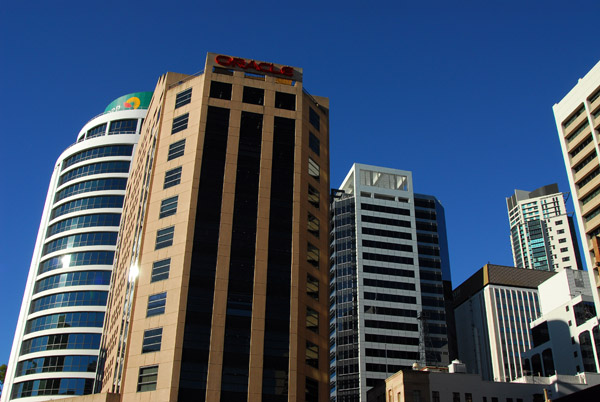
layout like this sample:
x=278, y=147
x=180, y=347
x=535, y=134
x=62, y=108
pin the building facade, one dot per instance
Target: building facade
x=566, y=337
x=389, y=280
x=220, y=287
x=577, y=118
x=494, y=308
x=542, y=234
x=57, y=339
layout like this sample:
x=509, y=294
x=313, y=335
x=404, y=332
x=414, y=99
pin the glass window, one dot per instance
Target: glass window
x=313, y=256
x=52, y=386
x=65, y=320
x=312, y=287
x=255, y=96
x=435, y=396
x=314, y=119
x=127, y=126
x=81, y=240
x=160, y=270
x=112, y=201
x=164, y=237
x=220, y=90
x=168, y=207
x=313, y=225
x=147, y=378
x=285, y=101
x=84, y=298
x=96, y=131
x=94, y=168
x=312, y=320
x=78, y=278
x=91, y=185
x=183, y=98
x=312, y=390
x=180, y=123
x=313, y=196
x=100, y=152
x=156, y=304
x=312, y=354
x=172, y=177
x=77, y=259
x=314, y=143
x=60, y=342
x=176, y=149
x=314, y=170
x=152, y=340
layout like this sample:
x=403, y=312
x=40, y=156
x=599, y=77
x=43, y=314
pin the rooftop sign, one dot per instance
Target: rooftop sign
x=136, y=100
x=254, y=67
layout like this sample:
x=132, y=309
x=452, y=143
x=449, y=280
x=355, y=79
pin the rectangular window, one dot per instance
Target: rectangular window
x=180, y=123
x=314, y=143
x=147, y=378
x=183, y=98
x=168, y=207
x=561, y=231
x=152, y=340
x=564, y=249
x=313, y=256
x=416, y=395
x=285, y=101
x=312, y=287
x=314, y=170
x=156, y=304
x=127, y=126
x=220, y=90
x=313, y=225
x=312, y=320
x=562, y=240
x=255, y=96
x=312, y=354
x=176, y=149
x=469, y=397
x=313, y=196
x=314, y=119
x=311, y=390
x=456, y=397
x=172, y=177
x=565, y=259
x=435, y=396
x=164, y=237
x=160, y=270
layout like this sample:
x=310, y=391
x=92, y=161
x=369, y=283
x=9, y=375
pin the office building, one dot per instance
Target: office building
x=566, y=337
x=390, y=283
x=57, y=339
x=542, y=234
x=494, y=308
x=578, y=123
x=220, y=284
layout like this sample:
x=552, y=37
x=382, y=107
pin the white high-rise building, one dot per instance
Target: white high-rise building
x=578, y=122
x=57, y=339
x=390, y=283
x=542, y=235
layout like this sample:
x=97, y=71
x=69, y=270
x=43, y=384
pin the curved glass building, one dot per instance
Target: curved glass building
x=56, y=344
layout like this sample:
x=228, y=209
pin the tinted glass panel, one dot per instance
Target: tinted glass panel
x=176, y=149
x=255, y=96
x=314, y=143
x=285, y=101
x=183, y=98
x=220, y=90
x=168, y=207
x=127, y=126
x=172, y=177
x=160, y=270
x=180, y=123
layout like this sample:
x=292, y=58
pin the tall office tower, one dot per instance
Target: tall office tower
x=542, y=235
x=389, y=274
x=578, y=122
x=220, y=284
x=57, y=340
x=494, y=308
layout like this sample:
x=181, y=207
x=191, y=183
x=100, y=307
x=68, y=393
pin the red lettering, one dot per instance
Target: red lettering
x=224, y=60
x=274, y=70
x=252, y=64
x=237, y=62
x=289, y=71
x=265, y=67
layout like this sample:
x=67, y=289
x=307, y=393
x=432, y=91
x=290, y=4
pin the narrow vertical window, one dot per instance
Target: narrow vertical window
x=314, y=170
x=314, y=143
x=313, y=256
x=313, y=225
x=313, y=196
x=312, y=320
x=312, y=287
x=312, y=354
x=314, y=119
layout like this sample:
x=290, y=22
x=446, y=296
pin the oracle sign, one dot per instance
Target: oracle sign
x=228, y=61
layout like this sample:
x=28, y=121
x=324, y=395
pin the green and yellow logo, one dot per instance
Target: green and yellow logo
x=136, y=100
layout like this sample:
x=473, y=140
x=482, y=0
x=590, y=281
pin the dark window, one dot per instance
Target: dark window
x=65, y=320
x=255, y=96
x=387, y=233
x=90, y=186
x=52, y=386
x=96, y=131
x=176, y=149
x=61, y=341
x=312, y=320
x=314, y=170
x=285, y=101
x=220, y=90
x=78, y=278
x=380, y=283
x=313, y=196
x=100, y=152
x=127, y=126
x=312, y=354
x=583, y=312
x=83, y=298
x=388, y=258
x=548, y=361
x=314, y=143
x=81, y=240
x=312, y=287
x=168, y=207
x=387, y=210
x=156, y=304
x=152, y=340
x=180, y=123
x=183, y=98
x=147, y=378
x=312, y=390
x=54, y=364
x=313, y=256
x=314, y=119
x=172, y=177
x=587, y=352
x=95, y=168
x=164, y=237
x=435, y=396
x=386, y=221
x=387, y=246
x=313, y=225
x=160, y=270
x=456, y=397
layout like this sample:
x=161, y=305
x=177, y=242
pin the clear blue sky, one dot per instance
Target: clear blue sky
x=459, y=94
